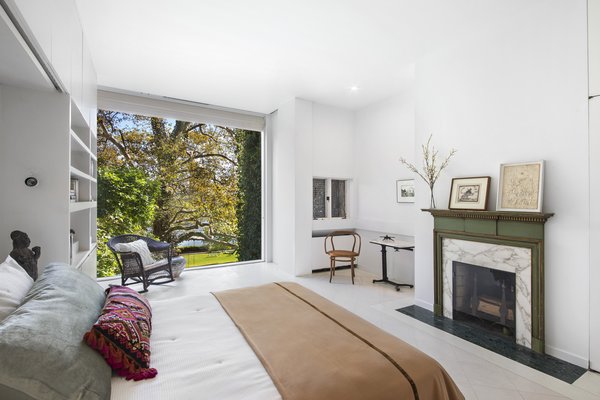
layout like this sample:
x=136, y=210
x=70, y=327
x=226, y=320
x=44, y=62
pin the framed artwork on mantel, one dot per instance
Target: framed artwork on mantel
x=521, y=187
x=469, y=193
x=405, y=191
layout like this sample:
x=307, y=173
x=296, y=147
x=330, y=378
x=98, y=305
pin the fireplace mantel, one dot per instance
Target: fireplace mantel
x=517, y=229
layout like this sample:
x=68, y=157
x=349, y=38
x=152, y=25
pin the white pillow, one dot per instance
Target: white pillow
x=138, y=246
x=14, y=285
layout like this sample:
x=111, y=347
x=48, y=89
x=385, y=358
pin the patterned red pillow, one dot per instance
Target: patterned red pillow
x=122, y=333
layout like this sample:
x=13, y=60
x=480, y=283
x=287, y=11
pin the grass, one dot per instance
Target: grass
x=203, y=259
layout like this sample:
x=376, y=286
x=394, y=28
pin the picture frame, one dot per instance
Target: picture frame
x=520, y=187
x=405, y=191
x=469, y=193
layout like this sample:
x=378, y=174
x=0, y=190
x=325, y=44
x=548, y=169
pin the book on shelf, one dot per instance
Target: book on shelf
x=74, y=190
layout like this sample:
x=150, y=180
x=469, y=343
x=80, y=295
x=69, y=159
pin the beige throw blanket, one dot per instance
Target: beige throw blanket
x=314, y=349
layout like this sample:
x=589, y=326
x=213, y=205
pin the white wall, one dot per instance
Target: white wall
x=34, y=142
x=291, y=140
x=333, y=157
x=384, y=132
x=518, y=94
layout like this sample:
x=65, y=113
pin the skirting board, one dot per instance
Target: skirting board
x=336, y=268
x=567, y=356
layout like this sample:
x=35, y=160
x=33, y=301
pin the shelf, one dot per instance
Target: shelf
x=82, y=205
x=81, y=256
x=78, y=145
x=80, y=174
x=77, y=119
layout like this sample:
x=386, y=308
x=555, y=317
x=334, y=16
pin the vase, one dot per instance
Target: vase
x=432, y=198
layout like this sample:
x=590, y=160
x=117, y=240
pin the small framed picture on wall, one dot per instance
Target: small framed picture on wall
x=405, y=191
x=469, y=193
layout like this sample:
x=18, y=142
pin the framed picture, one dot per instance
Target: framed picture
x=521, y=187
x=405, y=191
x=469, y=193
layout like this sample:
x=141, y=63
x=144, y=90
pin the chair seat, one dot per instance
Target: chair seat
x=342, y=253
x=156, y=264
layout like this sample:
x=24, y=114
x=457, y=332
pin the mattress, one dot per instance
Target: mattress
x=198, y=352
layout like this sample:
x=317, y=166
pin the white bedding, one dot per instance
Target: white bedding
x=198, y=352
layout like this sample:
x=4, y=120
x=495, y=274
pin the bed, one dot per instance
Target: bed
x=200, y=352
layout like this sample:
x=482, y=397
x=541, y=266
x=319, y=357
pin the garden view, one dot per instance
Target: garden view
x=194, y=185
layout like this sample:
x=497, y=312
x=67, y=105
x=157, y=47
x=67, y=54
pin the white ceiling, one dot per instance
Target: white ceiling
x=255, y=55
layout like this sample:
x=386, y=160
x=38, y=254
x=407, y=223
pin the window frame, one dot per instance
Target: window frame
x=329, y=200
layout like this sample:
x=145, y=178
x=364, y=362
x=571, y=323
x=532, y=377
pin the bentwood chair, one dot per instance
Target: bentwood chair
x=342, y=254
x=154, y=272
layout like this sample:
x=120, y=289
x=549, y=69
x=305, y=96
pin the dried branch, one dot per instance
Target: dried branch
x=430, y=171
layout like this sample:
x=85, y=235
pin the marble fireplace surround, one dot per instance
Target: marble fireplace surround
x=516, y=260
x=509, y=241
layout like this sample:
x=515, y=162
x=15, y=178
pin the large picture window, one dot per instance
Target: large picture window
x=195, y=185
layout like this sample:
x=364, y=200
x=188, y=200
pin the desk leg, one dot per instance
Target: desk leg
x=384, y=271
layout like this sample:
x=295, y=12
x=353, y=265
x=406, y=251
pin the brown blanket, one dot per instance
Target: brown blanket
x=314, y=349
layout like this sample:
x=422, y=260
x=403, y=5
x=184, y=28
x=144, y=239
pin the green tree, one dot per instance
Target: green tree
x=249, y=206
x=193, y=164
x=126, y=204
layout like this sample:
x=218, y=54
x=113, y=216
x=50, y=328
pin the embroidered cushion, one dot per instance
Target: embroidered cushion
x=137, y=246
x=14, y=285
x=122, y=333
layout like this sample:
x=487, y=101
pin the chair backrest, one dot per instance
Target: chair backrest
x=329, y=239
x=122, y=239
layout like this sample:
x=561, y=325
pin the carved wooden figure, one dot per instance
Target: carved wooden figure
x=23, y=255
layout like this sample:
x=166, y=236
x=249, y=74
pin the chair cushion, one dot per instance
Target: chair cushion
x=138, y=246
x=41, y=351
x=342, y=253
x=122, y=333
x=15, y=282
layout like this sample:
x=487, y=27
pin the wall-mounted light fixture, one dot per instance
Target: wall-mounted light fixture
x=31, y=181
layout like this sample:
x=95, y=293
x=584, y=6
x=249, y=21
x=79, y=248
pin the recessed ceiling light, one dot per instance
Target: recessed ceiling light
x=354, y=88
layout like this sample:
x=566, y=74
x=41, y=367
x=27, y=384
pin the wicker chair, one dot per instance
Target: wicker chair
x=132, y=268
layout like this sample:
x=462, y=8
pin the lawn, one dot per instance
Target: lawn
x=203, y=259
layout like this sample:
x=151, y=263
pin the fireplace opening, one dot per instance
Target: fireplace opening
x=484, y=297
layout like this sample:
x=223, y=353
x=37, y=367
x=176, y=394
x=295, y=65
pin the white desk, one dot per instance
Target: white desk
x=396, y=245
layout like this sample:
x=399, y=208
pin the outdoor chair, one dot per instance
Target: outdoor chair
x=147, y=268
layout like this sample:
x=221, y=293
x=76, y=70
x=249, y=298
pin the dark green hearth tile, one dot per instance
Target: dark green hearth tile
x=502, y=345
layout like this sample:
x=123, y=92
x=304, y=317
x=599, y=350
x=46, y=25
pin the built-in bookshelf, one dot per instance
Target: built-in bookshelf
x=82, y=189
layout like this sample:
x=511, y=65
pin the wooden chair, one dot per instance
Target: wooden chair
x=343, y=255
x=131, y=266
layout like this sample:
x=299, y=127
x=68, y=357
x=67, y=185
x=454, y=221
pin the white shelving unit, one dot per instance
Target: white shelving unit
x=82, y=167
x=48, y=131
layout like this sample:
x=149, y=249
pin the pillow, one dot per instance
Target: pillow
x=43, y=356
x=15, y=282
x=122, y=333
x=138, y=246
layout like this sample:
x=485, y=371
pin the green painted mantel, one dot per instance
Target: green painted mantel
x=518, y=229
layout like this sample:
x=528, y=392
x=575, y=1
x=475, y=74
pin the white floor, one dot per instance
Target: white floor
x=480, y=374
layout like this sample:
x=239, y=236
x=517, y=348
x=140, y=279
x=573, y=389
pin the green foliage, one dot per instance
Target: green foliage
x=126, y=204
x=174, y=180
x=249, y=205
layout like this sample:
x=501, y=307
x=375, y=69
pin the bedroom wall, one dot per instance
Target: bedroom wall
x=333, y=157
x=291, y=140
x=518, y=93
x=384, y=131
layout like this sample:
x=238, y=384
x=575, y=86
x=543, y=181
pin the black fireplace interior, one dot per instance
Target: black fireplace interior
x=484, y=297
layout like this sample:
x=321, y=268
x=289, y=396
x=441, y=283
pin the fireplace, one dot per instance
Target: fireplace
x=504, y=253
x=484, y=297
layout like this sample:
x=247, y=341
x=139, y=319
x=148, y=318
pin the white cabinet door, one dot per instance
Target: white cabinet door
x=76, y=58
x=594, y=45
x=38, y=16
x=595, y=233
x=61, y=41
